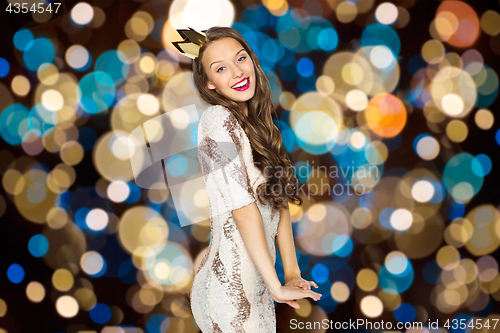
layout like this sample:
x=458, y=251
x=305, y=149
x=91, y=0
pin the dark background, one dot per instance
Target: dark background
x=15, y=232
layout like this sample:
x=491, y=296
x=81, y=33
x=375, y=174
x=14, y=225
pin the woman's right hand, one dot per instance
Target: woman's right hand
x=288, y=295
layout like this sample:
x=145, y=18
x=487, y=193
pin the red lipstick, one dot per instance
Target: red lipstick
x=245, y=87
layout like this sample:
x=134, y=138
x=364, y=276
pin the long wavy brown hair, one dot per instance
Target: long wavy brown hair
x=269, y=153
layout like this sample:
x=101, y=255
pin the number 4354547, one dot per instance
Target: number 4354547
x=471, y=323
x=24, y=8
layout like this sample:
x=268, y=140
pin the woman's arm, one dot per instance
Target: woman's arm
x=249, y=222
x=284, y=239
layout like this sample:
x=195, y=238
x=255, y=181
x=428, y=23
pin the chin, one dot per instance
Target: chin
x=239, y=97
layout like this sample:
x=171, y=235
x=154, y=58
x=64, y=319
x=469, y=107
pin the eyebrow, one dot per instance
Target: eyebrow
x=221, y=60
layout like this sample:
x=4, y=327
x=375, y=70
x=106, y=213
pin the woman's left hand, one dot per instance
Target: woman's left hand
x=298, y=281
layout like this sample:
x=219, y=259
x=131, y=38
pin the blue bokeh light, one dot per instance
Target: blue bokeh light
x=343, y=245
x=158, y=323
x=22, y=38
x=4, y=67
x=481, y=165
x=127, y=272
x=96, y=92
x=177, y=165
x=11, y=119
x=305, y=67
x=405, y=313
x=111, y=63
x=432, y=272
x=328, y=39
x=38, y=52
x=38, y=245
x=396, y=283
x=15, y=273
x=461, y=323
x=135, y=193
x=320, y=273
x=100, y=313
x=379, y=34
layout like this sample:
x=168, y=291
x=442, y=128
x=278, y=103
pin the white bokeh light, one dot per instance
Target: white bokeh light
x=92, y=262
x=428, y=148
x=401, y=219
x=148, y=104
x=77, y=56
x=82, y=13
x=52, y=100
x=67, y=306
x=356, y=100
x=371, y=306
x=97, y=219
x=396, y=262
x=381, y=56
x=386, y=13
x=201, y=14
x=357, y=139
x=452, y=104
x=422, y=191
x=118, y=191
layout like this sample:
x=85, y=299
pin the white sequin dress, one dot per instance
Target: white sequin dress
x=228, y=293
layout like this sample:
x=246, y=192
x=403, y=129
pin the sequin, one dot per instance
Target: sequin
x=211, y=148
x=230, y=123
x=243, y=304
x=228, y=293
x=205, y=257
x=216, y=328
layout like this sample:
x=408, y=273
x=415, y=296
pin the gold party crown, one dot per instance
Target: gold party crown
x=191, y=43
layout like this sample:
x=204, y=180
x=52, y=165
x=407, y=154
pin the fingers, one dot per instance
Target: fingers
x=294, y=293
x=308, y=284
x=293, y=304
x=303, y=284
x=309, y=293
x=315, y=296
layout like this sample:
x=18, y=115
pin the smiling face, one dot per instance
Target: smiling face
x=230, y=70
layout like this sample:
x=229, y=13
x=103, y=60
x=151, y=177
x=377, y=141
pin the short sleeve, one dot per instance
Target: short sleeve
x=220, y=152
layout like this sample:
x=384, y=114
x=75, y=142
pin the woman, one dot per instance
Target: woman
x=240, y=149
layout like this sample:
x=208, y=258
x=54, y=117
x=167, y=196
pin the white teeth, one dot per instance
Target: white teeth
x=241, y=84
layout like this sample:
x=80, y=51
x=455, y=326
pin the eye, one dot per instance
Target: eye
x=219, y=68
x=242, y=57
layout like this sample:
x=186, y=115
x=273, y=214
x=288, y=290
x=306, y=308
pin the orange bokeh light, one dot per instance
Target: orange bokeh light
x=385, y=115
x=463, y=22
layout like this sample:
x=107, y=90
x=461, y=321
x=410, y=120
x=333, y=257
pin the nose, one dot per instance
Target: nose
x=237, y=72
